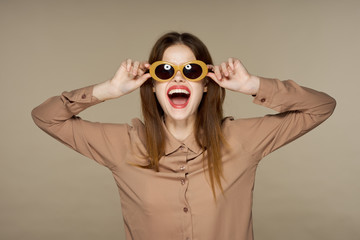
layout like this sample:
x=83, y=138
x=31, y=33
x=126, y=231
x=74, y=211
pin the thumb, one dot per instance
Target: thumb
x=213, y=77
x=143, y=78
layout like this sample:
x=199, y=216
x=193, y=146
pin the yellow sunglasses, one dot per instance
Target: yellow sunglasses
x=165, y=71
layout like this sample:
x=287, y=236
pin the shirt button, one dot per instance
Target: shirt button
x=182, y=168
x=182, y=181
x=263, y=100
x=185, y=209
x=83, y=96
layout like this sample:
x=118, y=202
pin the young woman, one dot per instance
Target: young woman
x=185, y=172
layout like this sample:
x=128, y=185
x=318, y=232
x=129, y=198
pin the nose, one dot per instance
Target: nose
x=178, y=77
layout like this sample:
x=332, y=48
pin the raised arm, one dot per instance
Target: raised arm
x=300, y=109
x=57, y=116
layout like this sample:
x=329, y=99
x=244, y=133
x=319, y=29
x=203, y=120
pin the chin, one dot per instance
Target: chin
x=179, y=115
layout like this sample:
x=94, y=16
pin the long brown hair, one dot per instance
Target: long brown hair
x=207, y=127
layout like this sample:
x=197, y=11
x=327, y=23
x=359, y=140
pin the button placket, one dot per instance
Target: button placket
x=184, y=149
x=182, y=181
x=183, y=169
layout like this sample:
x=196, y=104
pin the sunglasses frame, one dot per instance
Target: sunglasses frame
x=178, y=68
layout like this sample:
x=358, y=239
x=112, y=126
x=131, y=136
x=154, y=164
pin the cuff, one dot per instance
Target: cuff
x=81, y=95
x=79, y=99
x=266, y=92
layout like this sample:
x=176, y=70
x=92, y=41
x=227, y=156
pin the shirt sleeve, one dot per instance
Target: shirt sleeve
x=300, y=110
x=57, y=116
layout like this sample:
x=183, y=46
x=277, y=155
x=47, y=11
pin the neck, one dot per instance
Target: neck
x=180, y=129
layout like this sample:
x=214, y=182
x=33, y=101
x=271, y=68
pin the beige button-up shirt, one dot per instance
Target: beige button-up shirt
x=177, y=202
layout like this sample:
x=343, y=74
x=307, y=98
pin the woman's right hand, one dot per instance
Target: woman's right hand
x=130, y=76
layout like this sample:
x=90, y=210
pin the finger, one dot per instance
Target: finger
x=146, y=65
x=238, y=64
x=128, y=65
x=214, y=77
x=231, y=64
x=217, y=72
x=224, y=69
x=143, y=78
x=230, y=70
x=123, y=65
x=140, y=72
x=211, y=67
x=143, y=67
x=135, y=68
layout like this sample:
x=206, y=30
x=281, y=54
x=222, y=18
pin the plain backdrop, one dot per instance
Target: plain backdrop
x=308, y=189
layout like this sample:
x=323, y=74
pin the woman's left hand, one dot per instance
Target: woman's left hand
x=233, y=75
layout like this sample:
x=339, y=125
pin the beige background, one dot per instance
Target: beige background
x=306, y=190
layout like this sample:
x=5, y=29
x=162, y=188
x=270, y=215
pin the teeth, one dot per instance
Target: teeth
x=178, y=90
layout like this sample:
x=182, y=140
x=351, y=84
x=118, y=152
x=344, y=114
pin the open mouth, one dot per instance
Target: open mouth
x=178, y=96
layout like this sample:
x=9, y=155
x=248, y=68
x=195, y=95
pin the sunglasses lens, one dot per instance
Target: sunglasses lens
x=192, y=71
x=164, y=71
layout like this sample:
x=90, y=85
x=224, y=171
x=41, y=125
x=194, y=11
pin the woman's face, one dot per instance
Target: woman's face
x=178, y=97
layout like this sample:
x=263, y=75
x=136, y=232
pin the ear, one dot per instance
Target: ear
x=205, y=84
x=153, y=86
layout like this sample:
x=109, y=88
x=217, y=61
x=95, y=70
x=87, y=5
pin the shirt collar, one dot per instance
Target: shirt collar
x=172, y=144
